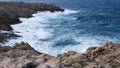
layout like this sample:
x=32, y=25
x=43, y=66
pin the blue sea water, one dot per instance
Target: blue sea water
x=83, y=24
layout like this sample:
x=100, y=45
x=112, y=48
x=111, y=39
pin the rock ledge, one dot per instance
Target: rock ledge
x=22, y=55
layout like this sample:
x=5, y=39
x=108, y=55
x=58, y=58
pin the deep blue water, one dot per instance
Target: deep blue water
x=96, y=22
x=96, y=17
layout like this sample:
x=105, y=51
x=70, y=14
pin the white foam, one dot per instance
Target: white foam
x=86, y=42
x=35, y=29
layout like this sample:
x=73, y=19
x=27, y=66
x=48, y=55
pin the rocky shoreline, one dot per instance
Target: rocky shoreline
x=10, y=12
x=22, y=55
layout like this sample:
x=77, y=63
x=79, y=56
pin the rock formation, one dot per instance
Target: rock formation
x=24, y=56
x=10, y=12
x=5, y=36
x=5, y=27
x=107, y=56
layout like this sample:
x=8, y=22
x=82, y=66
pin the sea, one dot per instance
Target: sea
x=83, y=24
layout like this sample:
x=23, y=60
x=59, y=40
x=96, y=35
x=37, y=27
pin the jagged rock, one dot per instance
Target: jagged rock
x=19, y=50
x=107, y=56
x=72, y=59
x=95, y=52
x=5, y=48
x=5, y=36
x=5, y=27
x=109, y=45
x=22, y=46
x=68, y=54
x=11, y=11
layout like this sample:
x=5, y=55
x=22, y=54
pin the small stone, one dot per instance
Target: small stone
x=30, y=65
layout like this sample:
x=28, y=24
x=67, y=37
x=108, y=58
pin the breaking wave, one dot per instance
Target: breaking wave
x=56, y=33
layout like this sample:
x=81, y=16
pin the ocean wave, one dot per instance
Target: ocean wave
x=53, y=33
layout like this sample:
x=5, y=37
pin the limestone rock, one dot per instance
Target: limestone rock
x=22, y=55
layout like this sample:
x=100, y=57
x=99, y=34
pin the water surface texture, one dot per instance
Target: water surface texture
x=83, y=24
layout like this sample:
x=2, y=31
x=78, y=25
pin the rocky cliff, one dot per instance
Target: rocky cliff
x=24, y=56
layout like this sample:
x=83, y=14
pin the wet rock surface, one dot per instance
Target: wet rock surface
x=5, y=27
x=10, y=12
x=22, y=55
x=5, y=36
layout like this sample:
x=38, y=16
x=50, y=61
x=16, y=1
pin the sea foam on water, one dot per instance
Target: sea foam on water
x=52, y=33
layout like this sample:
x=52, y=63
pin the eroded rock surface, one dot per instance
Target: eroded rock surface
x=22, y=55
x=107, y=56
